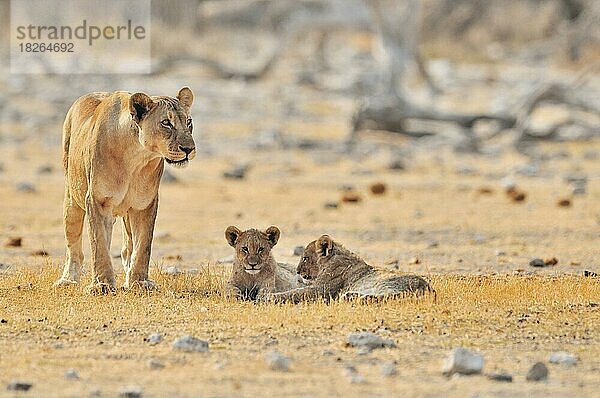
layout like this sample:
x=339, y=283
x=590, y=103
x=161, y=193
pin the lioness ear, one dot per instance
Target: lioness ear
x=273, y=235
x=139, y=105
x=324, y=246
x=186, y=98
x=232, y=234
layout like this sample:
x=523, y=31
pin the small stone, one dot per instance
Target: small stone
x=564, y=203
x=388, y=369
x=378, y=188
x=327, y=353
x=278, y=362
x=15, y=241
x=551, y=261
x=432, y=243
x=500, y=253
x=563, y=358
x=353, y=375
x=237, y=172
x=538, y=372
x=168, y=177
x=331, y=205
x=579, y=189
x=71, y=374
x=298, y=250
x=46, y=169
x=505, y=377
x=190, y=344
x=366, y=342
x=40, y=253
x=351, y=197
x=397, y=165
x=537, y=262
x=466, y=170
x=414, y=260
x=19, y=385
x=154, y=338
x=508, y=183
x=516, y=195
x=462, y=361
x=26, y=187
x=172, y=271
x=479, y=239
x=131, y=392
x=154, y=364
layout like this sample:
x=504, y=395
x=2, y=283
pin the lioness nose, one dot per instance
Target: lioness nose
x=187, y=150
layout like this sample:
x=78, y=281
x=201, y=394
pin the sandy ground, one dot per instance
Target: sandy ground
x=514, y=314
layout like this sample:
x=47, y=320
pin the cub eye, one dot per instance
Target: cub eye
x=260, y=250
x=166, y=123
x=245, y=249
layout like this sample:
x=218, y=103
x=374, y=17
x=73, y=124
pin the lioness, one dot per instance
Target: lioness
x=337, y=272
x=254, y=268
x=114, y=149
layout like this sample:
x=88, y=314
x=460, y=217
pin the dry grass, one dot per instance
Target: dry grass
x=508, y=318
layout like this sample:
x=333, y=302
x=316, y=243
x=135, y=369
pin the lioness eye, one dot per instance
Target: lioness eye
x=190, y=126
x=166, y=123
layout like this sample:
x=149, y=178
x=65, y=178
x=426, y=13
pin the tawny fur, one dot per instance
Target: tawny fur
x=336, y=272
x=114, y=148
x=253, y=254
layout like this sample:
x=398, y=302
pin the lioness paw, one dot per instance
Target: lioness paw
x=145, y=284
x=101, y=289
x=63, y=282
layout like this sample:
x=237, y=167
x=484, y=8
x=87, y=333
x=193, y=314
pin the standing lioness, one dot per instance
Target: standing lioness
x=114, y=148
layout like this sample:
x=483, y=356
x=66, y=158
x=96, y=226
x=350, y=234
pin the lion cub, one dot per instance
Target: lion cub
x=254, y=268
x=337, y=272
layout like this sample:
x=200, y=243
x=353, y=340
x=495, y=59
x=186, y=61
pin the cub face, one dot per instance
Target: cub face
x=165, y=125
x=315, y=253
x=252, y=247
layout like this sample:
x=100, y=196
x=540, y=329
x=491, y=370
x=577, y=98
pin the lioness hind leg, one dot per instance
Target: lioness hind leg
x=73, y=223
x=142, y=229
x=127, y=249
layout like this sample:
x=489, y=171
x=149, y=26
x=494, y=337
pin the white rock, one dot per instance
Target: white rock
x=172, y=271
x=190, y=344
x=154, y=363
x=366, y=341
x=563, y=358
x=463, y=361
x=71, y=374
x=154, y=338
x=277, y=361
x=388, y=369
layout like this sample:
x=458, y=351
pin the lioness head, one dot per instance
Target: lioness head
x=252, y=247
x=165, y=125
x=308, y=267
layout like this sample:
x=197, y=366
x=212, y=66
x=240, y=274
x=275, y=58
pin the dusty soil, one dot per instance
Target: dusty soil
x=496, y=304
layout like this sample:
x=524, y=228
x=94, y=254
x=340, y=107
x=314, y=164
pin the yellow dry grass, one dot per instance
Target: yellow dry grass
x=513, y=320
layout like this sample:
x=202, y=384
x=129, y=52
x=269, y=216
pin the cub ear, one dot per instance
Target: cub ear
x=232, y=234
x=186, y=98
x=139, y=105
x=324, y=246
x=273, y=235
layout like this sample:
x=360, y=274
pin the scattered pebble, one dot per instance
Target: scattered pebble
x=190, y=344
x=479, y=239
x=351, y=197
x=508, y=183
x=14, y=242
x=378, y=188
x=41, y=253
x=71, y=374
x=327, y=353
x=500, y=253
x=537, y=262
x=367, y=342
x=278, y=362
x=563, y=358
x=538, y=372
x=131, y=392
x=298, y=250
x=331, y=205
x=500, y=377
x=564, y=203
x=353, y=375
x=154, y=338
x=26, y=187
x=515, y=194
x=46, y=169
x=172, y=271
x=237, y=172
x=19, y=385
x=397, y=164
x=388, y=369
x=154, y=363
x=414, y=260
x=462, y=361
x=551, y=261
x=432, y=243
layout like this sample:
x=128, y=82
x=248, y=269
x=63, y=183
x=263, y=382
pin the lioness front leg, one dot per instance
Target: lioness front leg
x=142, y=229
x=100, y=223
